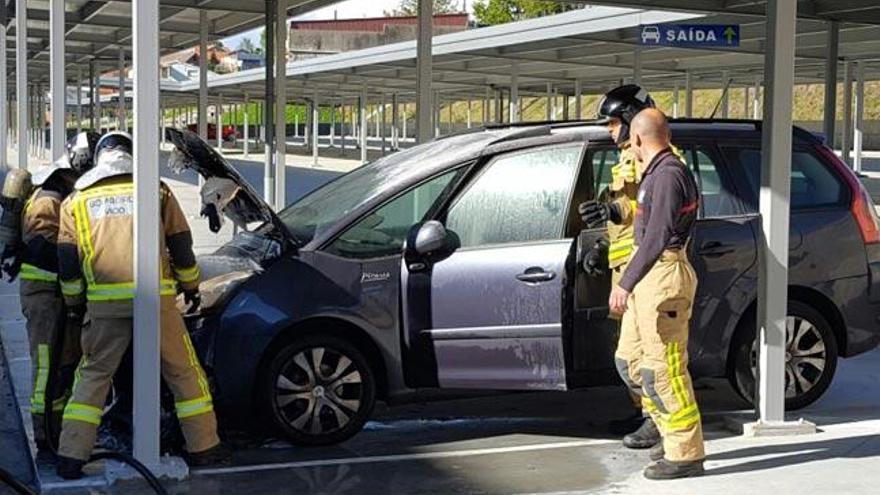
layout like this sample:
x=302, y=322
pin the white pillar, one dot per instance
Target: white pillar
x=21, y=84
x=424, y=70
x=860, y=116
x=218, y=117
x=280, y=105
x=316, y=121
x=675, y=100
x=403, y=124
x=246, y=145
x=79, y=115
x=362, y=133
x=774, y=208
x=468, y=111
x=120, y=106
x=438, y=105
x=332, y=124
x=745, y=102
x=203, y=75
x=145, y=40
x=395, y=122
x=93, y=98
x=846, y=149
x=830, y=114
x=4, y=88
x=578, y=100
x=342, y=133
x=383, y=128
x=756, y=99
x=688, y=94
x=162, y=122
x=58, y=83
x=725, y=94
x=514, y=92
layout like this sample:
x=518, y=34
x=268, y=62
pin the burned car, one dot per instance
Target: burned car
x=454, y=264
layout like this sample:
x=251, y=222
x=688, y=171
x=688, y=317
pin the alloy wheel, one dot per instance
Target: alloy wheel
x=805, y=356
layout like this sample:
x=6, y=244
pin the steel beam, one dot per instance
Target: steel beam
x=424, y=92
x=21, y=83
x=58, y=83
x=859, y=117
x=514, y=92
x=280, y=104
x=268, y=106
x=203, y=75
x=830, y=108
x=4, y=95
x=846, y=149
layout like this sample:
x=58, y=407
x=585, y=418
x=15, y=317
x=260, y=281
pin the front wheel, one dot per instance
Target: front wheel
x=319, y=390
x=810, y=357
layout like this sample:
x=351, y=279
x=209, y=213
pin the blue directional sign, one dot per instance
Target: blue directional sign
x=690, y=35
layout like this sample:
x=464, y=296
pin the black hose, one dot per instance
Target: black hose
x=134, y=463
x=48, y=424
x=13, y=483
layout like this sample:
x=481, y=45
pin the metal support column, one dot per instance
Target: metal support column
x=203, y=74
x=395, y=122
x=332, y=124
x=246, y=144
x=830, y=114
x=218, y=119
x=145, y=40
x=756, y=99
x=362, y=115
x=79, y=114
x=383, y=127
x=93, y=100
x=316, y=122
x=637, y=65
x=860, y=117
x=280, y=104
x=268, y=129
x=688, y=94
x=578, y=100
x=21, y=80
x=424, y=70
x=675, y=101
x=774, y=209
x=846, y=148
x=120, y=105
x=514, y=92
x=725, y=94
x=58, y=83
x=468, y=112
x=549, y=101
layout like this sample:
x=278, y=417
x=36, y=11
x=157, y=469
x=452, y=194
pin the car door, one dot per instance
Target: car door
x=495, y=304
x=722, y=251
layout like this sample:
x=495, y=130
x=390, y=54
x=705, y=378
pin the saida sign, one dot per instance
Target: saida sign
x=690, y=35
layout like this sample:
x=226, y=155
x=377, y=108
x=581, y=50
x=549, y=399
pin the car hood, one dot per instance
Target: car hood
x=244, y=206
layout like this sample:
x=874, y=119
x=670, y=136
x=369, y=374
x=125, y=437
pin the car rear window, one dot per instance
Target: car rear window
x=813, y=185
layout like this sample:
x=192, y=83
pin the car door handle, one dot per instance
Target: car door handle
x=535, y=275
x=715, y=249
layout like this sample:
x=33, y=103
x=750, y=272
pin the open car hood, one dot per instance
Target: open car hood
x=225, y=190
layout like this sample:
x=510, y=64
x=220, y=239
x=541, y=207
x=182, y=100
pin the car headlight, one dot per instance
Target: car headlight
x=216, y=291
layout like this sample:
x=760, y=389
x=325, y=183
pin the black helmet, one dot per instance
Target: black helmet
x=624, y=102
x=81, y=151
x=116, y=140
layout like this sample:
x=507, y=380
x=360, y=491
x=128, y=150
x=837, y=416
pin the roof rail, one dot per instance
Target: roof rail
x=550, y=123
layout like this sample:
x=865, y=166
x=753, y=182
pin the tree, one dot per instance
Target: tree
x=247, y=46
x=411, y=7
x=491, y=12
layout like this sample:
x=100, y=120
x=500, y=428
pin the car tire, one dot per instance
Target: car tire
x=811, y=357
x=319, y=404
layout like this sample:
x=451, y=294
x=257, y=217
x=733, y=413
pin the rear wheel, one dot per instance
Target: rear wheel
x=810, y=357
x=319, y=390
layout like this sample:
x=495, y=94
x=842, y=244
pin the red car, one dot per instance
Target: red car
x=229, y=133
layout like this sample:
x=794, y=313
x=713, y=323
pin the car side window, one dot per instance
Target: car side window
x=717, y=198
x=518, y=197
x=382, y=232
x=813, y=185
x=603, y=160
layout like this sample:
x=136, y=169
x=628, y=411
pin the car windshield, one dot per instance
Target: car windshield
x=321, y=209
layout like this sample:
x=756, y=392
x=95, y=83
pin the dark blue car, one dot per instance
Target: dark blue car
x=454, y=264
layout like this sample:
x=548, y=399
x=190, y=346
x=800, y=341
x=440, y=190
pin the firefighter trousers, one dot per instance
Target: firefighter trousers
x=104, y=343
x=43, y=309
x=652, y=353
x=635, y=395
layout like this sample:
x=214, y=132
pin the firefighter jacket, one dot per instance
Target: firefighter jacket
x=39, y=234
x=95, y=247
x=625, y=178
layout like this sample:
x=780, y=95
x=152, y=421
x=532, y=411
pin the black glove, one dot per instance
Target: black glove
x=193, y=299
x=597, y=213
x=596, y=258
x=10, y=263
x=214, y=223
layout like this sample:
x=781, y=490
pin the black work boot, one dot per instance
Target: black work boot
x=670, y=470
x=657, y=452
x=218, y=455
x=69, y=468
x=626, y=425
x=645, y=437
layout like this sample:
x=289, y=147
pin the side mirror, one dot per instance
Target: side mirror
x=430, y=241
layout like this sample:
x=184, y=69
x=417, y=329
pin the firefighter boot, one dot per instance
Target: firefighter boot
x=217, y=455
x=657, y=452
x=645, y=437
x=69, y=468
x=671, y=470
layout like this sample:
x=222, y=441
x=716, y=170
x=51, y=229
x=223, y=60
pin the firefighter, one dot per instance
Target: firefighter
x=656, y=295
x=95, y=254
x=614, y=208
x=47, y=323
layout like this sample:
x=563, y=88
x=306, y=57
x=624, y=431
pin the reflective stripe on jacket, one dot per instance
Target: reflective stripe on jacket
x=39, y=234
x=95, y=243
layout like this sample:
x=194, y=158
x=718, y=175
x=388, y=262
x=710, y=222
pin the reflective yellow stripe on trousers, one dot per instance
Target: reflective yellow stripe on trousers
x=31, y=272
x=38, y=398
x=620, y=249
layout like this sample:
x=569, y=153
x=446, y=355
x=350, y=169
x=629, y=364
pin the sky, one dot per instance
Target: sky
x=344, y=10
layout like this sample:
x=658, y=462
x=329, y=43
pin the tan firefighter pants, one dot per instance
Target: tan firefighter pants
x=43, y=309
x=104, y=343
x=634, y=395
x=653, y=352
